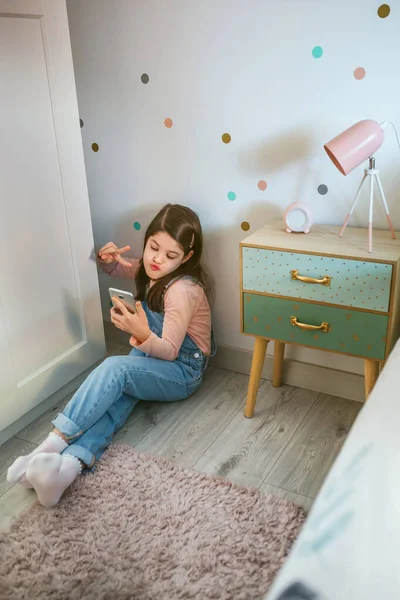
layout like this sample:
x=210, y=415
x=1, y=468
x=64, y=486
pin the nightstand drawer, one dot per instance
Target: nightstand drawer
x=354, y=332
x=347, y=282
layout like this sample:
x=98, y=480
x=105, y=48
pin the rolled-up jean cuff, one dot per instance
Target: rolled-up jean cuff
x=82, y=453
x=67, y=427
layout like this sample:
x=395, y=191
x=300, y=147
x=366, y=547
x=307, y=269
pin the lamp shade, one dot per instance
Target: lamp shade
x=355, y=145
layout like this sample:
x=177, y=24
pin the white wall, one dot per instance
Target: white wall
x=239, y=66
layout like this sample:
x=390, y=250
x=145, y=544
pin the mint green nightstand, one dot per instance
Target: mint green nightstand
x=320, y=291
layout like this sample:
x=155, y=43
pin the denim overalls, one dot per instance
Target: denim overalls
x=105, y=400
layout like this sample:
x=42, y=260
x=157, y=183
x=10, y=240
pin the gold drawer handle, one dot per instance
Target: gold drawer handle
x=323, y=327
x=326, y=280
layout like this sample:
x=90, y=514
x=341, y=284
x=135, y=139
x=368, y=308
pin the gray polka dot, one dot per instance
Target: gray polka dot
x=81, y=123
x=145, y=78
x=322, y=189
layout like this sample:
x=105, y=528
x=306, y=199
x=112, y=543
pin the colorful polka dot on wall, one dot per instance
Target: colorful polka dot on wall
x=231, y=196
x=383, y=11
x=245, y=226
x=226, y=138
x=359, y=73
x=145, y=78
x=317, y=52
x=81, y=123
x=168, y=123
x=137, y=226
x=262, y=185
x=95, y=147
x=322, y=189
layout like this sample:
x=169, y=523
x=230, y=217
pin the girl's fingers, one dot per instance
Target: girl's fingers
x=108, y=251
x=139, y=308
x=124, y=249
x=107, y=246
x=113, y=249
x=120, y=305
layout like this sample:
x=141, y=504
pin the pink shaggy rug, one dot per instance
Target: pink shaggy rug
x=142, y=528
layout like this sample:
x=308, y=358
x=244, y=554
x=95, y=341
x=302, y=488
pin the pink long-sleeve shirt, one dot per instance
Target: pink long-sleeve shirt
x=186, y=311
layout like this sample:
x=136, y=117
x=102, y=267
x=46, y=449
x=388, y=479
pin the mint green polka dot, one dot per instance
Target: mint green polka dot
x=317, y=52
x=231, y=196
x=137, y=226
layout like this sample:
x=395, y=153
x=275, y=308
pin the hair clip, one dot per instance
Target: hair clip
x=192, y=242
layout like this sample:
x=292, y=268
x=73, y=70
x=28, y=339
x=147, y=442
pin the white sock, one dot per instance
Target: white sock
x=51, y=474
x=17, y=472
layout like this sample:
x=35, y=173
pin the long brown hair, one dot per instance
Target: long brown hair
x=183, y=225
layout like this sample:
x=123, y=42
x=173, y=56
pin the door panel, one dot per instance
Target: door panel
x=48, y=282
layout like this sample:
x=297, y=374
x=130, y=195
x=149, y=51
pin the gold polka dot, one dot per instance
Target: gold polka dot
x=316, y=336
x=226, y=138
x=245, y=226
x=267, y=327
x=369, y=346
x=279, y=319
x=342, y=345
x=248, y=298
x=348, y=316
x=356, y=337
x=95, y=147
x=384, y=339
x=292, y=335
x=296, y=307
x=383, y=11
x=255, y=319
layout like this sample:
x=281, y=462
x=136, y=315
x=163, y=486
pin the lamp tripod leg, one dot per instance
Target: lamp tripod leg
x=379, y=184
x=371, y=206
x=353, y=205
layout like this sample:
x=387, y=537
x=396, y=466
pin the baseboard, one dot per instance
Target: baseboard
x=299, y=374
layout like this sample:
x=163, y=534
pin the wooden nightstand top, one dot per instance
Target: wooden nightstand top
x=325, y=240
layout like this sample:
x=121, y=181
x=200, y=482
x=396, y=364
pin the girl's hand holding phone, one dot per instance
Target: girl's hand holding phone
x=135, y=324
x=111, y=253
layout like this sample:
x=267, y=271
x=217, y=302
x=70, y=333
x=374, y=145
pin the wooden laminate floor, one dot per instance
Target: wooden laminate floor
x=286, y=449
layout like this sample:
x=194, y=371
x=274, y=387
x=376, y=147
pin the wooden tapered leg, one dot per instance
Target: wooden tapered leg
x=279, y=353
x=371, y=372
x=260, y=348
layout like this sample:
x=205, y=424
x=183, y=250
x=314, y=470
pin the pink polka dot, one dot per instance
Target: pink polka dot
x=168, y=123
x=359, y=73
x=262, y=185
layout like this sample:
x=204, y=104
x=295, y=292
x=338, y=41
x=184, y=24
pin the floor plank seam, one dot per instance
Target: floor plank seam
x=287, y=443
x=278, y=487
x=25, y=440
x=5, y=491
x=174, y=409
x=219, y=434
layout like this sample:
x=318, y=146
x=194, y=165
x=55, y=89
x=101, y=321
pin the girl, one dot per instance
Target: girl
x=171, y=337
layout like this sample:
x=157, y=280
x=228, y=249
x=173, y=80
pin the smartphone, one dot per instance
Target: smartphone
x=126, y=297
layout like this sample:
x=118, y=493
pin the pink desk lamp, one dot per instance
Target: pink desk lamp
x=347, y=151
